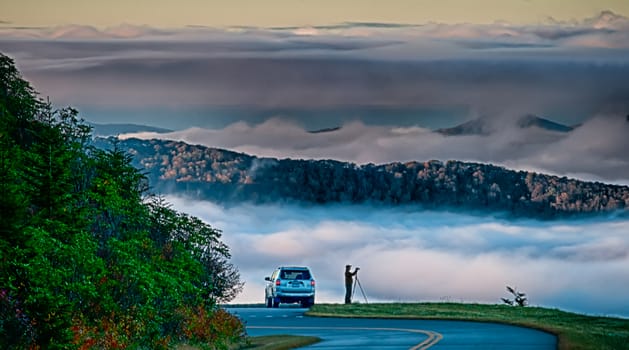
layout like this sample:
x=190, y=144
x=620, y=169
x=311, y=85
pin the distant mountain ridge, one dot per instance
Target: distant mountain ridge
x=530, y=120
x=105, y=130
x=320, y=131
x=479, y=126
x=229, y=177
x=484, y=127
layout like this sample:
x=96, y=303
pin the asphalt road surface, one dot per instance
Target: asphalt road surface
x=348, y=333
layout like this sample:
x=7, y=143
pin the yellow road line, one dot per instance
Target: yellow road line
x=433, y=337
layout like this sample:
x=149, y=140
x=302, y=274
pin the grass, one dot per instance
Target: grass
x=267, y=342
x=279, y=342
x=574, y=331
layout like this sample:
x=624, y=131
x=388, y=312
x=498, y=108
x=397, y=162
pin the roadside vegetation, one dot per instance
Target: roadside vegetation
x=266, y=342
x=574, y=331
x=88, y=258
x=279, y=342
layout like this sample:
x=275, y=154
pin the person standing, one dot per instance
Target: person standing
x=349, y=282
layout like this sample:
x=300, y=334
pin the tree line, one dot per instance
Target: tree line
x=227, y=176
x=88, y=258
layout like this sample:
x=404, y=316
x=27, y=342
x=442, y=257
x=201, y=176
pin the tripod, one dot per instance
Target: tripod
x=357, y=282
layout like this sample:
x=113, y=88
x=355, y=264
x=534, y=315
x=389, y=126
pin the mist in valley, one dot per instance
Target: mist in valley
x=409, y=255
x=594, y=151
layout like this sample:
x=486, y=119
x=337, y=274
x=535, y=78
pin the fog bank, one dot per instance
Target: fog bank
x=596, y=150
x=405, y=255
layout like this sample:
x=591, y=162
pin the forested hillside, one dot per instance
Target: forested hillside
x=89, y=260
x=225, y=176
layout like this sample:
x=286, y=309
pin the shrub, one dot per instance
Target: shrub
x=519, y=298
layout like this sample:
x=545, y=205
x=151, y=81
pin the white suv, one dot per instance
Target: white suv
x=290, y=284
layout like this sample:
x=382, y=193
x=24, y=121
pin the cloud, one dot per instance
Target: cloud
x=594, y=151
x=596, y=148
x=605, y=250
x=607, y=20
x=406, y=255
x=382, y=25
x=385, y=83
x=76, y=31
x=302, y=74
x=608, y=27
x=382, y=64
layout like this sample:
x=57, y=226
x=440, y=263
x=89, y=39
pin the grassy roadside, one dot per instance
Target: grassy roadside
x=574, y=331
x=279, y=342
x=267, y=342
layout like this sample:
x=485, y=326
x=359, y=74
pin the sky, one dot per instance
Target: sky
x=258, y=76
x=270, y=13
x=323, y=63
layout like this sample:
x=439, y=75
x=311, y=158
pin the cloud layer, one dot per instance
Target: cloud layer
x=596, y=150
x=427, y=256
x=570, y=69
x=605, y=29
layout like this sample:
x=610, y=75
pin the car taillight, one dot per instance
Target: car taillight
x=277, y=282
x=312, y=283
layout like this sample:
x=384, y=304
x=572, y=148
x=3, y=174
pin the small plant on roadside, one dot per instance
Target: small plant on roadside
x=212, y=328
x=519, y=298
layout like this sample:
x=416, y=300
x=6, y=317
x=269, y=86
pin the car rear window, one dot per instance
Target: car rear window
x=295, y=275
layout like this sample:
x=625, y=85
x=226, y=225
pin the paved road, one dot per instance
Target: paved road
x=346, y=333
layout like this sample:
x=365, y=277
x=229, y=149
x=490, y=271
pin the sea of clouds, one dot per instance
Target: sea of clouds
x=255, y=89
x=596, y=150
x=409, y=255
x=174, y=77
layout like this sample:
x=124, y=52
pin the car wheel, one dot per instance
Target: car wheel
x=276, y=303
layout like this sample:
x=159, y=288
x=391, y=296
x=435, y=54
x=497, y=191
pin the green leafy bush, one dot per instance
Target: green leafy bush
x=88, y=259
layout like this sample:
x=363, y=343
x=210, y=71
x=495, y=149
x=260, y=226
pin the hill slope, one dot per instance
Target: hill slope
x=225, y=176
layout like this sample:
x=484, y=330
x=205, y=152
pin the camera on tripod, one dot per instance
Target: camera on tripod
x=360, y=286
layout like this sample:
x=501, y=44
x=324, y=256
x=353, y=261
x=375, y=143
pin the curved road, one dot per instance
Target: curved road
x=352, y=333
